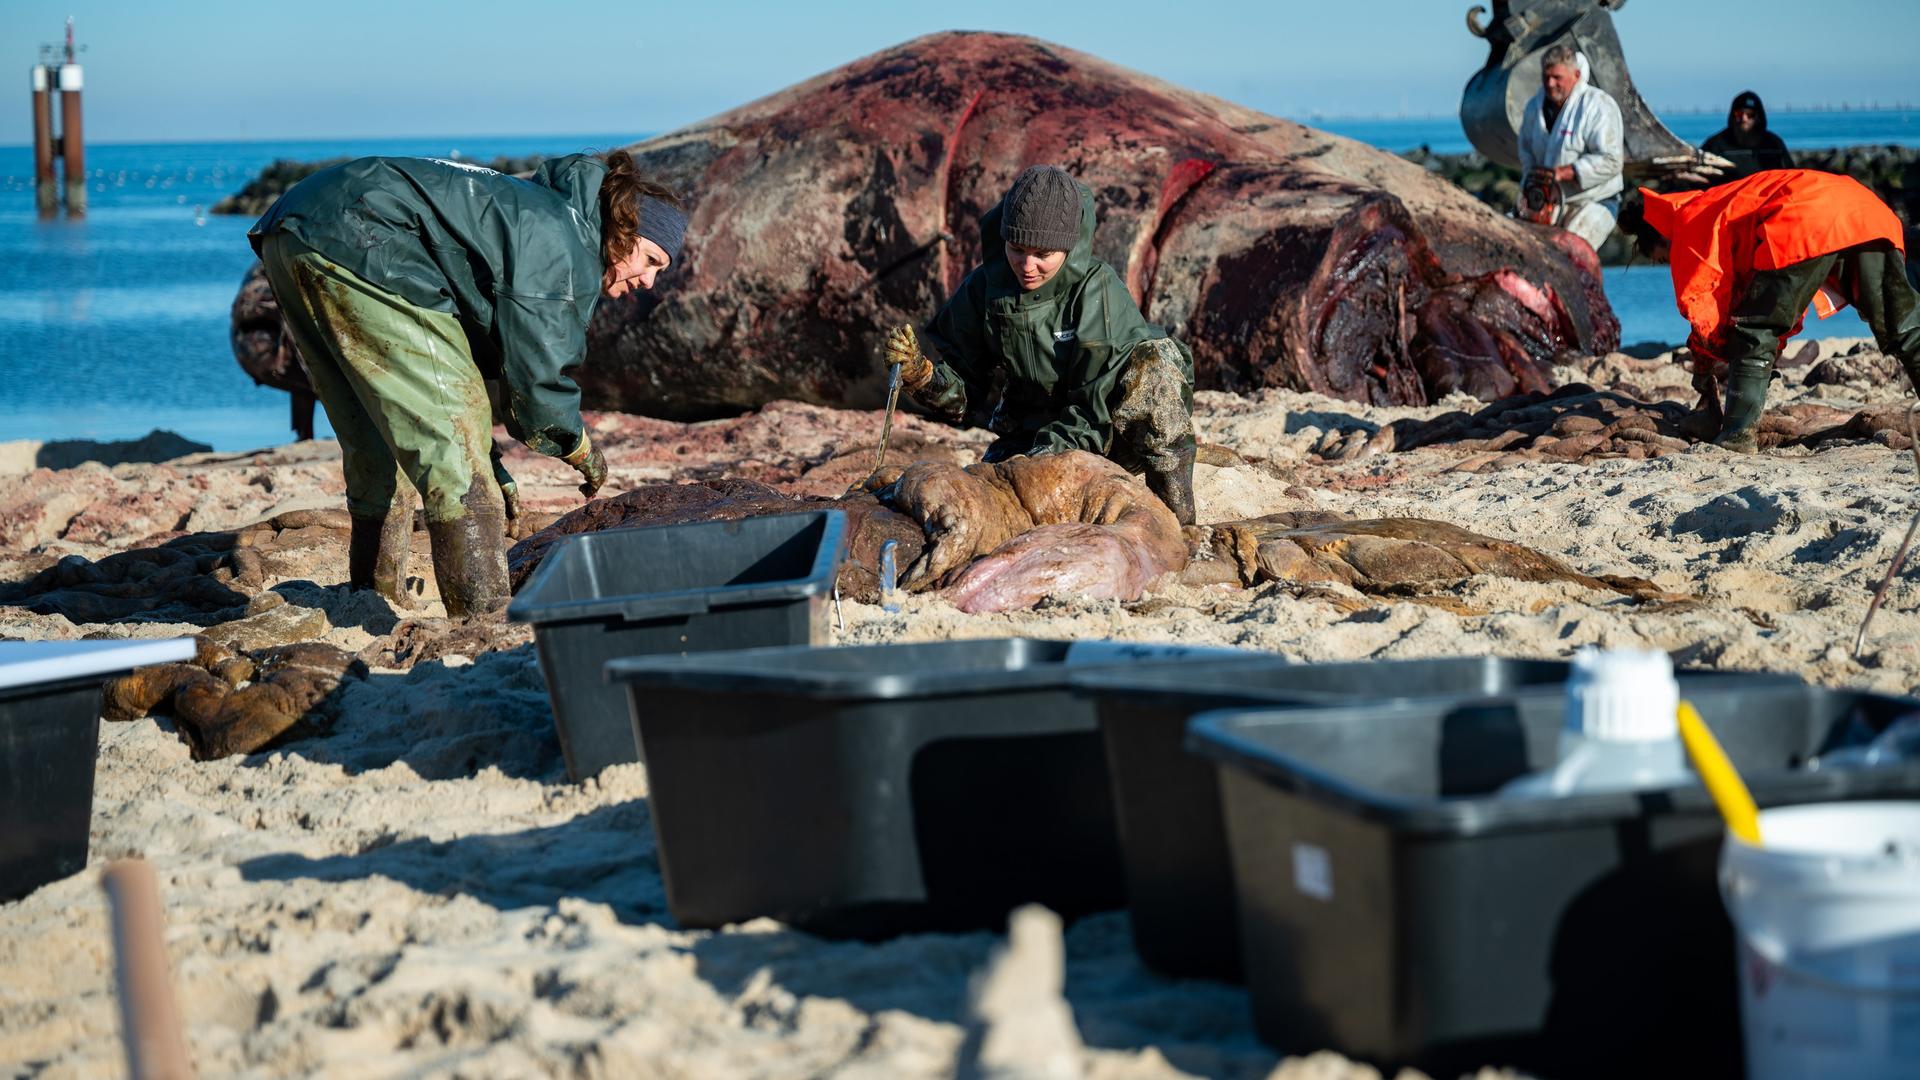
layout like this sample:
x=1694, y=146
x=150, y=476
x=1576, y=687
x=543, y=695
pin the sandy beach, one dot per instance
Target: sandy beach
x=411, y=886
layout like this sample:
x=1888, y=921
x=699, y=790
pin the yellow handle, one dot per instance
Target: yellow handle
x=1723, y=781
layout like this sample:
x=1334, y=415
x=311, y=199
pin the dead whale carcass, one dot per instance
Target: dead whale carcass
x=1285, y=256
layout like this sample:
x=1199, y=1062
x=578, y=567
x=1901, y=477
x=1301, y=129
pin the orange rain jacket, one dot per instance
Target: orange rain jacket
x=1767, y=221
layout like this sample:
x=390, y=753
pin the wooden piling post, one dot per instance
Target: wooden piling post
x=46, y=196
x=73, y=153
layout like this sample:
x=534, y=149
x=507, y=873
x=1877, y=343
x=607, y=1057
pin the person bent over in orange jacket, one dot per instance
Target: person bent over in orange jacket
x=1748, y=257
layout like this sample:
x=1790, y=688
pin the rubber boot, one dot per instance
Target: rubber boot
x=1746, y=399
x=1175, y=485
x=470, y=560
x=377, y=551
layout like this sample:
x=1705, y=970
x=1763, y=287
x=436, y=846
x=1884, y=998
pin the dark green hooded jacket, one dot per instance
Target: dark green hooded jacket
x=1062, y=346
x=517, y=261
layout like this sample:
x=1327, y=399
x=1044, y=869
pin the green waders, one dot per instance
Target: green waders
x=1153, y=424
x=1871, y=276
x=410, y=409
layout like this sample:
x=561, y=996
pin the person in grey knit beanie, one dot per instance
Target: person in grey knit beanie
x=1043, y=344
x=1042, y=210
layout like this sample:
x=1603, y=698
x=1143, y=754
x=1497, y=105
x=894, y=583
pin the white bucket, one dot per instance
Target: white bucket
x=1827, y=917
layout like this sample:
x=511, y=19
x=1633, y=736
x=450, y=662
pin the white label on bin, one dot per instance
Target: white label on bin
x=1313, y=871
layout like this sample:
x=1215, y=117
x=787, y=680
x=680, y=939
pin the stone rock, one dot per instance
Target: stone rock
x=155, y=446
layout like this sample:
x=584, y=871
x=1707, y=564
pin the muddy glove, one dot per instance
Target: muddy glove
x=916, y=371
x=590, y=464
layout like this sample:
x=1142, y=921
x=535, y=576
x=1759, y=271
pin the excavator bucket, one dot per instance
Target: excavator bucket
x=1496, y=97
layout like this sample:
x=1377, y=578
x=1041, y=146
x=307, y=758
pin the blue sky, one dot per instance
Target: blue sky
x=350, y=68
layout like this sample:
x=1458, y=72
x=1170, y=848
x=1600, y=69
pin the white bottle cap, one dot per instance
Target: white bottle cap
x=1623, y=695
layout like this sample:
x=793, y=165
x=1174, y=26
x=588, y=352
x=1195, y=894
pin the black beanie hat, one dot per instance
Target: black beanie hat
x=1042, y=210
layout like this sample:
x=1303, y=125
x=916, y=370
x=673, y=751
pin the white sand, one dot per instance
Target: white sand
x=420, y=891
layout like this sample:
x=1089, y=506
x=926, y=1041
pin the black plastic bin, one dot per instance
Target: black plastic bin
x=49, y=733
x=1173, y=844
x=1394, y=908
x=676, y=589
x=874, y=790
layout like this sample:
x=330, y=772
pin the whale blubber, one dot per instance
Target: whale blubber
x=220, y=720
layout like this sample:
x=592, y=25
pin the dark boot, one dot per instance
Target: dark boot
x=1746, y=399
x=470, y=561
x=1766, y=313
x=1174, y=484
x=377, y=552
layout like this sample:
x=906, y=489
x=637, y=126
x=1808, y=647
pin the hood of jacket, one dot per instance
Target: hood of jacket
x=1759, y=137
x=1747, y=99
x=1582, y=84
x=576, y=178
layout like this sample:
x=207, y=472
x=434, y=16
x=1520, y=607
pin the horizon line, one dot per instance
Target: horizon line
x=1790, y=109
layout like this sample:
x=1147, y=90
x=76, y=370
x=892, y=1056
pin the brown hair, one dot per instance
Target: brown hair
x=620, y=195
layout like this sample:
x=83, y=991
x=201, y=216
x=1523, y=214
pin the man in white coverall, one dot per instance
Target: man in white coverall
x=1570, y=150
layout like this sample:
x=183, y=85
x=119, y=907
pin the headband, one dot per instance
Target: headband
x=662, y=223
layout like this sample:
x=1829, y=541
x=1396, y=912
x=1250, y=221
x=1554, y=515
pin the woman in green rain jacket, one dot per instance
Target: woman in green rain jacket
x=1082, y=369
x=410, y=284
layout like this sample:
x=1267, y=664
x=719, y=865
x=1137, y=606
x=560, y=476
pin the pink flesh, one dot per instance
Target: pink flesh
x=1096, y=561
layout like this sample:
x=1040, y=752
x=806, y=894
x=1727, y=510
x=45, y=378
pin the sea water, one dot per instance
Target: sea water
x=116, y=324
